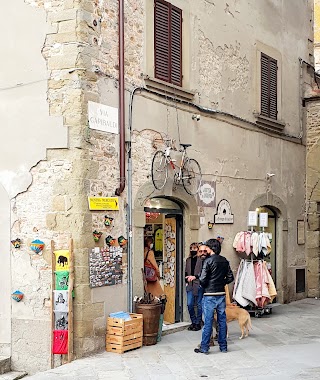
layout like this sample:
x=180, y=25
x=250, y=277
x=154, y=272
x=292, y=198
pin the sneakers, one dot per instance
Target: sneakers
x=191, y=327
x=199, y=351
x=197, y=328
x=224, y=351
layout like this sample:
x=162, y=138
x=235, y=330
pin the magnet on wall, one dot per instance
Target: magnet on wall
x=17, y=295
x=110, y=240
x=210, y=225
x=122, y=241
x=96, y=235
x=37, y=246
x=16, y=243
x=108, y=220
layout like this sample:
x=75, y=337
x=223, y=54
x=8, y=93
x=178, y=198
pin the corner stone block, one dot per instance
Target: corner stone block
x=194, y=221
x=312, y=239
x=51, y=221
x=313, y=222
x=139, y=218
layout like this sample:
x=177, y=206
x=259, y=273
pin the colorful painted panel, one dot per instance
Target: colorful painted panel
x=62, y=260
x=60, y=300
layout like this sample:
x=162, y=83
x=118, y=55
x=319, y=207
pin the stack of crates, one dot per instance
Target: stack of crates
x=124, y=335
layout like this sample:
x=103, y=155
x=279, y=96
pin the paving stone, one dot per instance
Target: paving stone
x=285, y=345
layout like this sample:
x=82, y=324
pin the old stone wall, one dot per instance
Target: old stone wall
x=313, y=196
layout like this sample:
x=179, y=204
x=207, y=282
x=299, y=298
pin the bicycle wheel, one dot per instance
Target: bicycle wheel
x=159, y=170
x=191, y=176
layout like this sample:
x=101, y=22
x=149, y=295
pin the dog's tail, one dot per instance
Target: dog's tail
x=249, y=323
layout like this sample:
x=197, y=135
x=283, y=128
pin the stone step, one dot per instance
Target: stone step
x=175, y=327
x=5, y=364
x=13, y=375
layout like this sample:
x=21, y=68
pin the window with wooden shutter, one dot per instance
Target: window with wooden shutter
x=168, y=42
x=269, y=73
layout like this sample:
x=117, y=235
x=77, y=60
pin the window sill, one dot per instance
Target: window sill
x=169, y=89
x=271, y=124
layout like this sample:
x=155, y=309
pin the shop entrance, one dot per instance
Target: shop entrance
x=164, y=222
x=272, y=231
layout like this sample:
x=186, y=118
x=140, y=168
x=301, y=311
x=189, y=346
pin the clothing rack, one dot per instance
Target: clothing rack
x=245, y=279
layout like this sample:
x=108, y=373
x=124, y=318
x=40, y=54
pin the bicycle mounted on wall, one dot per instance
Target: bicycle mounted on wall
x=188, y=173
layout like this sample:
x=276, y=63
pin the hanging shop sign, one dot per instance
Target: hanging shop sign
x=263, y=219
x=207, y=194
x=224, y=214
x=103, y=203
x=103, y=118
x=252, y=218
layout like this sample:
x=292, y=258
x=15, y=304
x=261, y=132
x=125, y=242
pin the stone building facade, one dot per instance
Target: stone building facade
x=312, y=103
x=70, y=57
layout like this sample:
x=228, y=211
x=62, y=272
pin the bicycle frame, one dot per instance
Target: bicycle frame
x=172, y=163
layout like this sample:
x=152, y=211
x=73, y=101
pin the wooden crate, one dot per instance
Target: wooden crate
x=123, y=335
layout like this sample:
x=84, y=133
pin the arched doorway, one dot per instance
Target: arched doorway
x=277, y=215
x=164, y=223
x=186, y=213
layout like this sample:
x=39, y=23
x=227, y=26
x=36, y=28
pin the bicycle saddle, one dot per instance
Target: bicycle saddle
x=185, y=145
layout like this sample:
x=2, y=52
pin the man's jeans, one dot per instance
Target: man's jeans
x=210, y=304
x=191, y=302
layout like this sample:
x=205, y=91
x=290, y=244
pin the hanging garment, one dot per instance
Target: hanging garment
x=238, y=276
x=60, y=300
x=60, y=342
x=236, y=239
x=261, y=284
x=255, y=243
x=249, y=287
x=238, y=294
x=271, y=286
x=264, y=244
x=248, y=242
x=62, y=280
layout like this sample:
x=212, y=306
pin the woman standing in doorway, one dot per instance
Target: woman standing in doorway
x=153, y=287
x=194, y=290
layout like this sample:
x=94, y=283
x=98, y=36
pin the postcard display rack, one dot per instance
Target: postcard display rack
x=62, y=303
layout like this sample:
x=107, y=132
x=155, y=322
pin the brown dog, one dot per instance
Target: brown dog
x=237, y=313
x=234, y=313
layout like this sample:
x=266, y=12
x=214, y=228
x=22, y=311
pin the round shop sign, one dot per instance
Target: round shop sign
x=207, y=194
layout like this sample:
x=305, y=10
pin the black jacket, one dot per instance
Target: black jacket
x=216, y=274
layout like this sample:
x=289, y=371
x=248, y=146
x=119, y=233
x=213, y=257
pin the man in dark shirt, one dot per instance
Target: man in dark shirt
x=215, y=274
x=194, y=290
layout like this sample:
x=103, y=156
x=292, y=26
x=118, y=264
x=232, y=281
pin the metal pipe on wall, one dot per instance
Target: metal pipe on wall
x=122, y=183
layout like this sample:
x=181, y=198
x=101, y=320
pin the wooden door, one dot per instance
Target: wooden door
x=169, y=274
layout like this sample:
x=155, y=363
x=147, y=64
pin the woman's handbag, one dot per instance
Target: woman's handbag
x=149, y=270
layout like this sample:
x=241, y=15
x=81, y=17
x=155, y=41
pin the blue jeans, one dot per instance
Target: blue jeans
x=192, y=301
x=210, y=304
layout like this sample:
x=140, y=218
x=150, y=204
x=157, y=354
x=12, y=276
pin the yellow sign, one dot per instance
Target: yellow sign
x=62, y=260
x=103, y=203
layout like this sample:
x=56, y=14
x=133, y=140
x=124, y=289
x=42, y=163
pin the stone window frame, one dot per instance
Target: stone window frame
x=149, y=67
x=263, y=121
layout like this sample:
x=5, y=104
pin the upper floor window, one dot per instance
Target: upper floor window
x=168, y=42
x=269, y=73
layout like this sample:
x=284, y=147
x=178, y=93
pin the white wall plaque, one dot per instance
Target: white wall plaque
x=224, y=214
x=103, y=118
x=263, y=219
x=252, y=218
x=207, y=194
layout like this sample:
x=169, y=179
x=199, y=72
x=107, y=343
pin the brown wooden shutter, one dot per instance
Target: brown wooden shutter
x=176, y=46
x=168, y=42
x=161, y=40
x=269, y=73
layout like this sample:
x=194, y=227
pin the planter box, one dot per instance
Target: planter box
x=123, y=335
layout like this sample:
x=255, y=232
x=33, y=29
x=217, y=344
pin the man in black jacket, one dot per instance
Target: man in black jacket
x=215, y=274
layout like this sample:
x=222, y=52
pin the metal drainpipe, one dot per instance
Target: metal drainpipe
x=122, y=184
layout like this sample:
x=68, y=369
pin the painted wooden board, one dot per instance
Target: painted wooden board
x=170, y=268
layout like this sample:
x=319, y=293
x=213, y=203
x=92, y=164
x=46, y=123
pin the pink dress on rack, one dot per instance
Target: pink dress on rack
x=261, y=283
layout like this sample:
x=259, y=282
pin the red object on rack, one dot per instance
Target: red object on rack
x=60, y=342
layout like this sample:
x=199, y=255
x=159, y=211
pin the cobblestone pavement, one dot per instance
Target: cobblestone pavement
x=284, y=345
